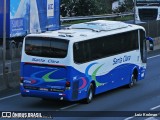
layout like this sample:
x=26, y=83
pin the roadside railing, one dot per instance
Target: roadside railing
x=12, y=70
x=105, y=16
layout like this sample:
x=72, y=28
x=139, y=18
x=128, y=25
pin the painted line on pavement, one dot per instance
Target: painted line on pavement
x=9, y=96
x=153, y=56
x=151, y=118
x=155, y=107
x=69, y=106
x=129, y=118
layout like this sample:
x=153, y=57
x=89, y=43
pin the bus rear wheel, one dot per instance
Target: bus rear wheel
x=133, y=81
x=90, y=94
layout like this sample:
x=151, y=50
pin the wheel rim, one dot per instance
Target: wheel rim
x=133, y=81
x=90, y=95
x=132, y=84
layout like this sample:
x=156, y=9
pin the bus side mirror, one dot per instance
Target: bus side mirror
x=151, y=43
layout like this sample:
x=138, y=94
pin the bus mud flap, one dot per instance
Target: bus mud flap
x=75, y=89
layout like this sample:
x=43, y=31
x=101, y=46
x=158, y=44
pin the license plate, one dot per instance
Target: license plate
x=43, y=89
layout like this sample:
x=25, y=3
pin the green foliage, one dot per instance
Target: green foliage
x=129, y=5
x=85, y=7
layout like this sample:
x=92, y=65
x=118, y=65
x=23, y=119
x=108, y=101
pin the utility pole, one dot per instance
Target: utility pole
x=4, y=45
x=134, y=11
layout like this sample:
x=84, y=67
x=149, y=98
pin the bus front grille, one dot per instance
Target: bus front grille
x=148, y=14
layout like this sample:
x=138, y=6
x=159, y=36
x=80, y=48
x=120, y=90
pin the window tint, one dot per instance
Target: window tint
x=105, y=46
x=46, y=47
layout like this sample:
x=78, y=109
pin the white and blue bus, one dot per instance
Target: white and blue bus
x=147, y=10
x=84, y=60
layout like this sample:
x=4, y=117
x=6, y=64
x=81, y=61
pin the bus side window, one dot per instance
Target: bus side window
x=77, y=52
x=96, y=48
x=81, y=52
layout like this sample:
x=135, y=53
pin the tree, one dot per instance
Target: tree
x=67, y=7
x=129, y=5
x=85, y=7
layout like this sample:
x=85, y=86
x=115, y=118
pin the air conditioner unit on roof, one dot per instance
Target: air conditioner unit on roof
x=101, y=25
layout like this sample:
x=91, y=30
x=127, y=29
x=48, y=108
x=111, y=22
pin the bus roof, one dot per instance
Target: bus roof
x=89, y=30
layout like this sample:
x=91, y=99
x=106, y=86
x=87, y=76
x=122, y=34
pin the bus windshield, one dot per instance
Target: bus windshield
x=148, y=0
x=46, y=47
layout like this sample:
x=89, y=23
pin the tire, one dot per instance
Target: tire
x=132, y=81
x=90, y=94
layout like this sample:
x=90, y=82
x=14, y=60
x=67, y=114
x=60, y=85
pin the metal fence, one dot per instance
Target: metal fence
x=12, y=70
x=92, y=17
x=152, y=28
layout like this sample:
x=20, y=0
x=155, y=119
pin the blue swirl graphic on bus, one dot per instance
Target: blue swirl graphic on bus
x=94, y=74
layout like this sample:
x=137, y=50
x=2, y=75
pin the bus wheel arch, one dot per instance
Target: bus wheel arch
x=94, y=87
x=135, y=73
x=134, y=78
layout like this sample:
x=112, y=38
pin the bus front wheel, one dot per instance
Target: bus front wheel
x=133, y=81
